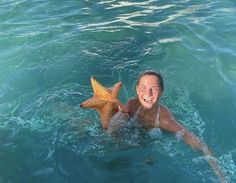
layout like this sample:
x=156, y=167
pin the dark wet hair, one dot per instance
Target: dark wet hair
x=153, y=73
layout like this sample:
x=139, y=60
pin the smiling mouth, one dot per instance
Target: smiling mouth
x=147, y=100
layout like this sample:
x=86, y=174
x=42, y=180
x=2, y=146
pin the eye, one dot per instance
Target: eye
x=142, y=88
x=155, y=89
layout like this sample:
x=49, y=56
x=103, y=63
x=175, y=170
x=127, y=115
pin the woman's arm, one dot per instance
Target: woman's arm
x=192, y=140
x=121, y=117
x=170, y=124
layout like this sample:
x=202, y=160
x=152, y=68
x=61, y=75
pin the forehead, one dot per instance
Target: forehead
x=149, y=79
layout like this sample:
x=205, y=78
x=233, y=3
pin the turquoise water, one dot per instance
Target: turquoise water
x=50, y=49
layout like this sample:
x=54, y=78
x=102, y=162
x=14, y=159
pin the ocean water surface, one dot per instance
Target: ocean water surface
x=50, y=49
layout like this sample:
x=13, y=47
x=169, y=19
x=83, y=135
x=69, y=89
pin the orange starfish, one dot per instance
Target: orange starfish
x=105, y=101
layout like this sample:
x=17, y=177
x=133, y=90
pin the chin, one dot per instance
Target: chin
x=147, y=106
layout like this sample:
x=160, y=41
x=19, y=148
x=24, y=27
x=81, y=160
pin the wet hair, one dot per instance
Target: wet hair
x=153, y=73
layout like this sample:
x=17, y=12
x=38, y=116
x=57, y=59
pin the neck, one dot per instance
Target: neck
x=151, y=110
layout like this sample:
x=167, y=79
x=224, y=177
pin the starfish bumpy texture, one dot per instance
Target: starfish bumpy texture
x=105, y=101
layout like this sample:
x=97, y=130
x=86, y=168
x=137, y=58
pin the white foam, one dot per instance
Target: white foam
x=170, y=40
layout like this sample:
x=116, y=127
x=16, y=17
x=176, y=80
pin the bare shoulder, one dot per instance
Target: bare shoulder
x=165, y=113
x=132, y=105
x=132, y=101
x=167, y=120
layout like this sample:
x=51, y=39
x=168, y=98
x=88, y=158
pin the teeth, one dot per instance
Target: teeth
x=147, y=100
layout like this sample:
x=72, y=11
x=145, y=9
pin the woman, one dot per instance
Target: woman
x=146, y=110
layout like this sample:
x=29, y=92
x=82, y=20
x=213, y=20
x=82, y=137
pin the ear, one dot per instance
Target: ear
x=137, y=89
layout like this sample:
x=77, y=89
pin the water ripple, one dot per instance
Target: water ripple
x=49, y=50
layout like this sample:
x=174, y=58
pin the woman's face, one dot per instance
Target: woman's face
x=148, y=91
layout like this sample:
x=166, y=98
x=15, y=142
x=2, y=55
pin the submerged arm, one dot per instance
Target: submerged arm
x=117, y=120
x=192, y=140
x=121, y=117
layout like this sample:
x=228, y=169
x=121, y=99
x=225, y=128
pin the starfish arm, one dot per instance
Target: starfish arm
x=115, y=89
x=98, y=89
x=93, y=102
x=106, y=114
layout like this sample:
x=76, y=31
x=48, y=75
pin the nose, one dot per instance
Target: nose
x=148, y=92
